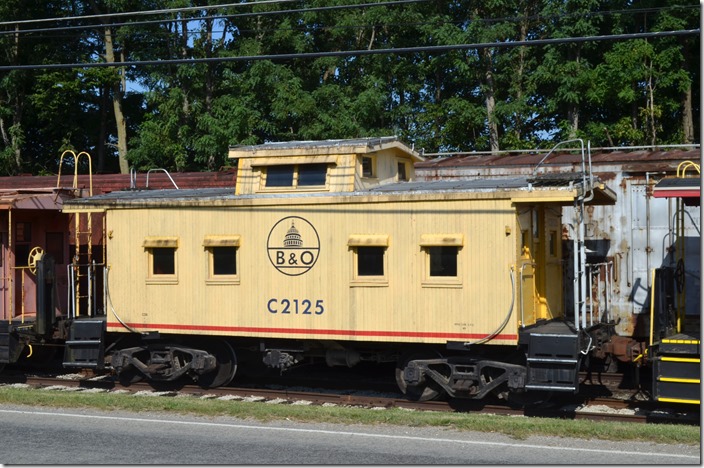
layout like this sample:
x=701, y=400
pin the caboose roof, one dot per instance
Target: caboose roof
x=519, y=189
x=687, y=188
x=323, y=147
x=34, y=199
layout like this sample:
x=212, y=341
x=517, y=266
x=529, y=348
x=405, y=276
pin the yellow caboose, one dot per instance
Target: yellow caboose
x=331, y=250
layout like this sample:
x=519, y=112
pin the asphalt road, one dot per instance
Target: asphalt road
x=70, y=436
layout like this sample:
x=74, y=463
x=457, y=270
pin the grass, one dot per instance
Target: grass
x=517, y=427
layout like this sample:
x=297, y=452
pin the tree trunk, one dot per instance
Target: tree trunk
x=519, y=118
x=120, y=121
x=651, y=106
x=573, y=118
x=184, y=54
x=18, y=107
x=687, y=118
x=490, y=102
x=103, y=135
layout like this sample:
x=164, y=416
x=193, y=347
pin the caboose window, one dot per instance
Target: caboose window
x=163, y=261
x=312, y=174
x=368, y=169
x=222, y=258
x=370, y=261
x=280, y=176
x=402, y=171
x=296, y=175
x=224, y=261
x=443, y=261
x=161, y=255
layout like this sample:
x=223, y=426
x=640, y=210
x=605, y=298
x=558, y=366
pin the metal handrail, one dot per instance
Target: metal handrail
x=586, y=160
x=165, y=172
x=687, y=165
x=76, y=158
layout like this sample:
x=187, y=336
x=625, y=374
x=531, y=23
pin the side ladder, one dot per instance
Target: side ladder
x=555, y=348
x=85, y=346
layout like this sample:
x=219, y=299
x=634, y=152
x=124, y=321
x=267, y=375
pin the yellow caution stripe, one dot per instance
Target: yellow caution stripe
x=675, y=359
x=677, y=400
x=692, y=342
x=673, y=379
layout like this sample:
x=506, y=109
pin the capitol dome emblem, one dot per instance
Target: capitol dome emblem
x=293, y=246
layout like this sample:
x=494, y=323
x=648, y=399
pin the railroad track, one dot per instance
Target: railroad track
x=595, y=409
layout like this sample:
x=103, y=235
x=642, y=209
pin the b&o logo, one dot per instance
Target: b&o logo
x=293, y=246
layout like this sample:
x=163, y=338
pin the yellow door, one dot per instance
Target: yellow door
x=539, y=272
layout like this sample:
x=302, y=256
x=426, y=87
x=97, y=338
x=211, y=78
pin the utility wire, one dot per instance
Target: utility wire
x=340, y=7
x=202, y=18
x=147, y=12
x=353, y=53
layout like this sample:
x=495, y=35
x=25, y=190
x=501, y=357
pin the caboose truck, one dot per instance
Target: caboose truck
x=330, y=250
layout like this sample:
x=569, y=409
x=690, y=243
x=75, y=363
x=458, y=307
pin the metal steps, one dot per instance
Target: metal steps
x=85, y=347
x=10, y=347
x=676, y=370
x=553, y=358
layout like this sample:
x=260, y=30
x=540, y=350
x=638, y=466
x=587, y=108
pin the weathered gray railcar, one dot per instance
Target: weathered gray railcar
x=625, y=241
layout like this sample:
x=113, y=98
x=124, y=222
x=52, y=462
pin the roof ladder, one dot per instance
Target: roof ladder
x=579, y=256
x=81, y=270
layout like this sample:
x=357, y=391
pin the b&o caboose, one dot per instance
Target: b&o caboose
x=330, y=250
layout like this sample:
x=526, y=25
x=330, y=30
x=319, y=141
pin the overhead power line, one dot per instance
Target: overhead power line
x=202, y=18
x=14, y=31
x=353, y=53
x=146, y=12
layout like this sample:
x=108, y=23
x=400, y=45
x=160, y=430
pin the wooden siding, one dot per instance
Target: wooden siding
x=405, y=309
x=344, y=170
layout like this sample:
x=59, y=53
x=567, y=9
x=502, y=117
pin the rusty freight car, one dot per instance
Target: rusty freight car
x=626, y=240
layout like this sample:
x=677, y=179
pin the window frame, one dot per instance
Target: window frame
x=210, y=243
x=372, y=165
x=150, y=244
x=402, y=164
x=427, y=244
x=360, y=241
x=295, y=178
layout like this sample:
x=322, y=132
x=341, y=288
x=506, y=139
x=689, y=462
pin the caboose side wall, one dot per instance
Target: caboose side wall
x=404, y=306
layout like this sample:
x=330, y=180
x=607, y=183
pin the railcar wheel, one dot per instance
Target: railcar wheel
x=426, y=390
x=226, y=365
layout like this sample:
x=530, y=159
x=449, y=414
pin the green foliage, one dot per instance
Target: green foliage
x=184, y=117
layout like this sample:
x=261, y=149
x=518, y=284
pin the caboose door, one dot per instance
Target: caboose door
x=526, y=269
x=540, y=269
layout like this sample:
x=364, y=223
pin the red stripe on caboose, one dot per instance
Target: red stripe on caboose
x=308, y=331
